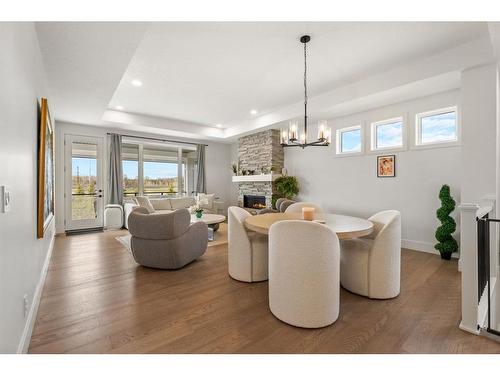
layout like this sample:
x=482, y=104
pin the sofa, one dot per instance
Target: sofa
x=162, y=205
x=166, y=240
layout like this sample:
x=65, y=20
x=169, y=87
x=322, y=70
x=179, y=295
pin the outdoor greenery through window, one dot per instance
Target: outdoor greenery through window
x=150, y=169
x=84, y=178
x=437, y=127
x=387, y=134
x=349, y=140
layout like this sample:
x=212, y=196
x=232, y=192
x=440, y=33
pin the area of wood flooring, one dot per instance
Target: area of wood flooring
x=97, y=300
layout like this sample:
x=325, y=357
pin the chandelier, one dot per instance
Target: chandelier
x=292, y=137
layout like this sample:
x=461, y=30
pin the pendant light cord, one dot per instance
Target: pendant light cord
x=305, y=73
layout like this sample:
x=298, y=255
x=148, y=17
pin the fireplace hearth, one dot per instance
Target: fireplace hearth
x=257, y=202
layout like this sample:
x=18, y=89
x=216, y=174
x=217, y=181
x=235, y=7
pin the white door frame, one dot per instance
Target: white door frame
x=69, y=224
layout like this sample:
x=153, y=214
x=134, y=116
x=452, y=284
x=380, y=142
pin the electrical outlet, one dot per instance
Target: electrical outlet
x=5, y=197
x=26, y=305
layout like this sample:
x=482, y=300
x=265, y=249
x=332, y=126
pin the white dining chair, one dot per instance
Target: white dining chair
x=304, y=281
x=247, y=250
x=371, y=266
x=297, y=207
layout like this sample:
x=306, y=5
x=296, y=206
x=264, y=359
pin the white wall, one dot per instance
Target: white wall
x=218, y=164
x=22, y=255
x=349, y=185
x=478, y=162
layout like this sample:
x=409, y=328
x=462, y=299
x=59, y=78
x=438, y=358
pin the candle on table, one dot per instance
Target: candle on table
x=308, y=213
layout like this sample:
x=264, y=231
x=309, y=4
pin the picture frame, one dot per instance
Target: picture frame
x=386, y=166
x=46, y=184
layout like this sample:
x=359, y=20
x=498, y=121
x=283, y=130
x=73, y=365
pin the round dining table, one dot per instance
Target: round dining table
x=346, y=227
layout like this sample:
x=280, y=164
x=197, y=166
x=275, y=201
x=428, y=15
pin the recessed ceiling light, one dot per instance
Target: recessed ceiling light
x=253, y=112
x=219, y=125
x=136, y=83
x=119, y=107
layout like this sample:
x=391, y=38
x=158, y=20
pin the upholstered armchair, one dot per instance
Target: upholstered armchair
x=247, y=251
x=296, y=207
x=371, y=266
x=304, y=281
x=167, y=241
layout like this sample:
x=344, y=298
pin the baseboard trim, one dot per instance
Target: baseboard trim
x=30, y=321
x=426, y=247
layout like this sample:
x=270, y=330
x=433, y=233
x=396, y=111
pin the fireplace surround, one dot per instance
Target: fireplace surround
x=257, y=202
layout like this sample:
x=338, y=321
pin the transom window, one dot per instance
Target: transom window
x=439, y=126
x=387, y=134
x=349, y=140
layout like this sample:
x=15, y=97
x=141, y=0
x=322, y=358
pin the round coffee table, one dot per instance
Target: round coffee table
x=212, y=220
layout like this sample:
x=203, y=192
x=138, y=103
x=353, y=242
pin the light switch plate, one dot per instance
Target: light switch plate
x=5, y=199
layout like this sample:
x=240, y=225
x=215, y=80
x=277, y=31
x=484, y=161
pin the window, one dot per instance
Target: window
x=438, y=126
x=387, y=134
x=349, y=140
x=160, y=171
x=150, y=169
x=130, y=164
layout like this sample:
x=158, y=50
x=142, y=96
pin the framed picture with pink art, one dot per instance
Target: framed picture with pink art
x=386, y=166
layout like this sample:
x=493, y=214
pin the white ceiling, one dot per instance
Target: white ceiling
x=210, y=73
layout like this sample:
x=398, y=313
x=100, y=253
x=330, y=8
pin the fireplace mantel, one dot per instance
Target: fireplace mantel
x=256, y=178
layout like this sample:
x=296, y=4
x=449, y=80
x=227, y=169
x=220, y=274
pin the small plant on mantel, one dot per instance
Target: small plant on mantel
x=444, y=233
x=234, y=168
x=287, y=186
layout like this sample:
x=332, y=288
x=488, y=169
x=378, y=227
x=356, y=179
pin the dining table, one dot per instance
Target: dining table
x=346, y=227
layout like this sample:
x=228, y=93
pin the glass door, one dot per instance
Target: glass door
x=84, y=196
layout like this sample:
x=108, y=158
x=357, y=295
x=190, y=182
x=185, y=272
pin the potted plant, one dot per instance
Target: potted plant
x=287, y=186
x=444, y=233
x=234, y=168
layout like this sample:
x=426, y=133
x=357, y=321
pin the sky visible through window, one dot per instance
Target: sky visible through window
x=350, y=141
x=389, y=135
x=151, y=169
x=439, y=128
x=84, y=166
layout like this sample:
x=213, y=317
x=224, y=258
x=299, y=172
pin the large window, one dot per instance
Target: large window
x=438, y=126
x=387, y=134
x=349, y=140
x=150, y=169
x=161, y=171
x=130, y=162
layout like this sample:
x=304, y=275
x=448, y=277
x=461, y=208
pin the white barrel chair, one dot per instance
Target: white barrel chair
x=247, y=250
x=304, y=281
x=297, y=207
x=371, y=266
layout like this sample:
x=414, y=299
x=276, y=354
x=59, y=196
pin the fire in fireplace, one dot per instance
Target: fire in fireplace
x=254, y=201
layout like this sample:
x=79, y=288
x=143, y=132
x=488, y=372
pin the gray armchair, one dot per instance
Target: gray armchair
x=167, y=241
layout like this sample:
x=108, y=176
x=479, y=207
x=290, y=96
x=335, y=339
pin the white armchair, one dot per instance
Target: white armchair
x=371, y=266
x=304, y=281
x=297, y=207
x=247, y=251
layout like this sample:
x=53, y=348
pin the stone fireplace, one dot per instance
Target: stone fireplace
x=258, y=153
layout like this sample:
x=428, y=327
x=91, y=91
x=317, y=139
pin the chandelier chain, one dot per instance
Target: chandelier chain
x=305, y=73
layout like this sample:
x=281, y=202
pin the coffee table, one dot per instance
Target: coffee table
x=212, y=220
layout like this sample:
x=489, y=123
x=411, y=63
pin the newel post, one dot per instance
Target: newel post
x=468, y=261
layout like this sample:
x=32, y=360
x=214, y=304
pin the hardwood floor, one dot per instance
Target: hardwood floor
x=97, y=300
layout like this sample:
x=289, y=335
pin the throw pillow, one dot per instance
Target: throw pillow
x=206, y=201
x=144, y=202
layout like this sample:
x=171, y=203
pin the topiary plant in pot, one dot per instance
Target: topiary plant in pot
x=287, y=186
x=447, y=244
